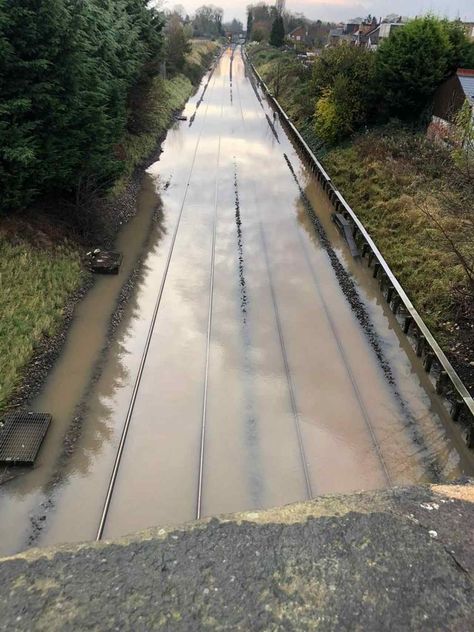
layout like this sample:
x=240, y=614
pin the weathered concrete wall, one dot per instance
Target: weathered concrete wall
x=401, y=559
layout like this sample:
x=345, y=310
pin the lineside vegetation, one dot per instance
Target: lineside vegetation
x=83, y=103
x=365, y=114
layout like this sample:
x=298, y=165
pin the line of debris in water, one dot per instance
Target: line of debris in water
x=251, y=426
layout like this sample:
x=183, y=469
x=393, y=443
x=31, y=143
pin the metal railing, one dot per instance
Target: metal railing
x=447, y=381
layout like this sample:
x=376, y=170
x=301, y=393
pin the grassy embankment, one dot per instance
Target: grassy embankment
x=41, y=266
x=414, y=197
x=164, y=98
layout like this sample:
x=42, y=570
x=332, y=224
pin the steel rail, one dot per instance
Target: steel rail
x=358, y=394
x=136, y=386
x=342, y=353
x=209, y=330
x=345, y=361
x=286, y=365
x=338, y=200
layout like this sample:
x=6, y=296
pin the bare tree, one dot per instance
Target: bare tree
x=280, y=6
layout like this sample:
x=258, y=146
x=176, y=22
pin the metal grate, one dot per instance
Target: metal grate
x=21, y=435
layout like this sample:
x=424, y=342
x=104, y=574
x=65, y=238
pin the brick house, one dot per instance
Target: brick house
x=299, y=34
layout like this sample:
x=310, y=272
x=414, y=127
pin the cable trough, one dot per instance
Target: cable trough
x=447, y=381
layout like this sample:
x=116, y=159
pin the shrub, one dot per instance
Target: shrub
x=344, y=85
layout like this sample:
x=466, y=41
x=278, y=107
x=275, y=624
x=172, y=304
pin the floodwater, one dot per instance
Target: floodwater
x=261, y=386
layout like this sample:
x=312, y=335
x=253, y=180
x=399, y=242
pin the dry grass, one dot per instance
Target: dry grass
x=413, y=199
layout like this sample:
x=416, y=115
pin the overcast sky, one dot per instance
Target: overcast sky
x=337, y=10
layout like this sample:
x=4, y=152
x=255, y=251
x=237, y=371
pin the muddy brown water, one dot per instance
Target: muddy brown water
x=277, y=365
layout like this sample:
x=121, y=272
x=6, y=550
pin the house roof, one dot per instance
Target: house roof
x=298, y=28
x=336, y=32
x=466, y=79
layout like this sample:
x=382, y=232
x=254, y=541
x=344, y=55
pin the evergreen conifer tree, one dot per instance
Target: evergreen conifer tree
x=277, y=35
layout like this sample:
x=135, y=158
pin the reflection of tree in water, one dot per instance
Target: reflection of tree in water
x=95, y=421
x=304, y=221
x=93, y=424
x=430, y=449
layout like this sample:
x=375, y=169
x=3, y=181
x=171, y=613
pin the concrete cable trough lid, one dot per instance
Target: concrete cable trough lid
x=21, y=436
x=104, y=261
x=345, y=229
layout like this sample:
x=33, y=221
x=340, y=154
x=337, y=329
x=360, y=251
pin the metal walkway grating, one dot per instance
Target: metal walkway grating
x=21, y=436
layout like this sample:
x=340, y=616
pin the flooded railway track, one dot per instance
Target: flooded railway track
x=256, y=364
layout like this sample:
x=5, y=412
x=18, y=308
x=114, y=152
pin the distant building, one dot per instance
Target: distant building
x=447, y=103
x=469, y=28
x=353, y=25
x=368, y=33
x=362, y=34
x=299, y=34
x=382, y=32
x=312, y=34
x=335, y=35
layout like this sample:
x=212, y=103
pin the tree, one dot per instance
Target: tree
x=67, y=69
x=262, y=18
x=277, y=34
x=177, y=44
x=249, y=24
x=258, y=35
x=235, y=26
x=344, y=87
x=411, y=64
x=462, y=48
x=280, y=7
x=208, y=21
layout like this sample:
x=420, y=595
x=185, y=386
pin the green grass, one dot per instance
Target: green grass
x=35, y=284
x=165, y=97
x=295, y=87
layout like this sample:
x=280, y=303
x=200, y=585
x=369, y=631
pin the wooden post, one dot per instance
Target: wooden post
x=428, y=362
x=442, y=382
x=407, y=324
x=420, y=344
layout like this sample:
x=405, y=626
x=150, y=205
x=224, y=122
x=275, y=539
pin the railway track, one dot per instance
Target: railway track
x=275, y=301
x=306, y=463
x=334, y=330
x=136, y=386
x=244, y=375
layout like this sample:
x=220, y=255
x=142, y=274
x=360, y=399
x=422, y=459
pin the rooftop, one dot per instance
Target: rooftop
x=466, y=78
